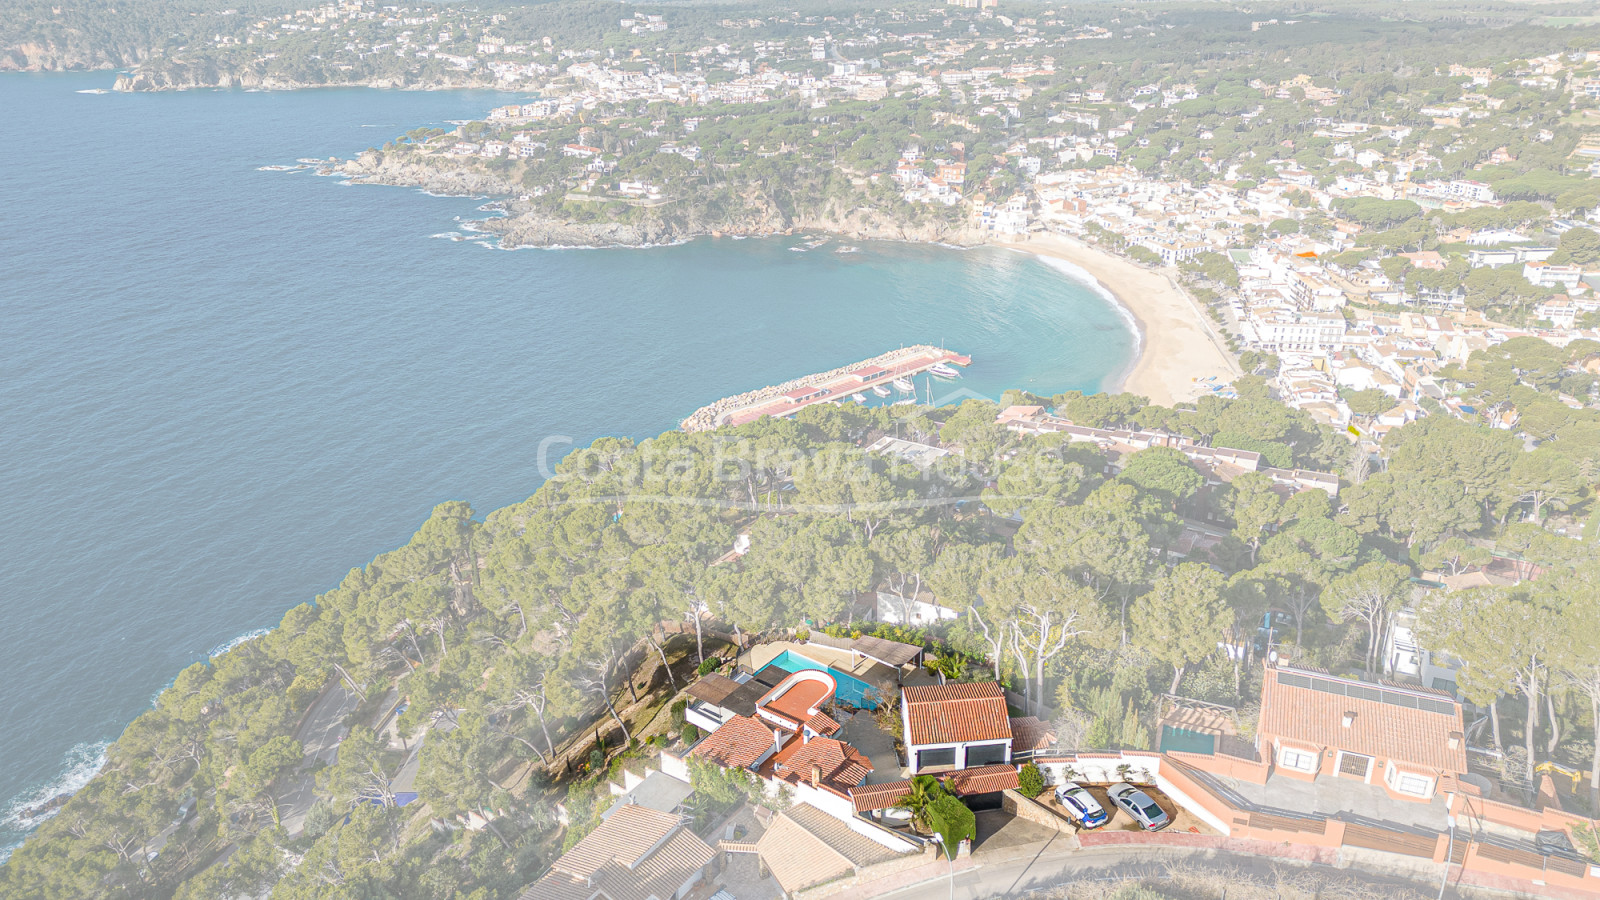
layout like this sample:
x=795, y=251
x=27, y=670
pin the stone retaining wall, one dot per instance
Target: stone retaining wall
x=1032, y=811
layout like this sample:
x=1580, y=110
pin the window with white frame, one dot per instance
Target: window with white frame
x=1415, y=785
x=1299, y=760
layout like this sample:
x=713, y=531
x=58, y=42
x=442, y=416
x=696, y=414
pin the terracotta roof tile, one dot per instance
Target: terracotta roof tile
x=1028, y=733
x=741, y=742
x=841, y=766
x=982, y=780
x=956, y=713
x=822, y=724
x=869, y=797
x=1383, y=730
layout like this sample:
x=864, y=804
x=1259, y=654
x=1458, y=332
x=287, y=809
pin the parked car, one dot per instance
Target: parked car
x=1081, y=806
x=1138, y=804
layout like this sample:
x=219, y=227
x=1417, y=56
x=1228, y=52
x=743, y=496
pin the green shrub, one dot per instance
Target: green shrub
x=597, y=759
x=691, y=733
x=949, y=818
x=1030, y=781
x=677, y=713
x=708, y=666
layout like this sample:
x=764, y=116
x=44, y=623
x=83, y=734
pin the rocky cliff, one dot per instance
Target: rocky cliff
x=528, y=225
x=72, y=55
x=174, y=75
x=538, y=229
x=428, y=173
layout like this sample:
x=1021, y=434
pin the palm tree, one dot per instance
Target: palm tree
x=924, y=790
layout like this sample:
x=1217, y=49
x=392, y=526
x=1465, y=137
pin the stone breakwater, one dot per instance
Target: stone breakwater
x=707, y=417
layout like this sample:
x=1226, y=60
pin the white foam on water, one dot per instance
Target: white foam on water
x=1080, y=274
x=245, y=638
x=79, y=764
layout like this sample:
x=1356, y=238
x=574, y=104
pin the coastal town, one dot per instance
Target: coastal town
x=1305, y=604
x=1363, y=251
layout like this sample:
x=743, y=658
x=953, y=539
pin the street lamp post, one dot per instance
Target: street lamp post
x=949, y=854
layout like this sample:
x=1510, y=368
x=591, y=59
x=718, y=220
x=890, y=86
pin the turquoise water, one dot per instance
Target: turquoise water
x=847, y=687
x=223, y=387
x=1184, y=740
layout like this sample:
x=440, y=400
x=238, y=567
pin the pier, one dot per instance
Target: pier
x=792, y=396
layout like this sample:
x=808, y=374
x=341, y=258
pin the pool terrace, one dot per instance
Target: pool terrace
x=882, y=680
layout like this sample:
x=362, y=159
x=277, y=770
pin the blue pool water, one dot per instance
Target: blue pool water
x=850, y=689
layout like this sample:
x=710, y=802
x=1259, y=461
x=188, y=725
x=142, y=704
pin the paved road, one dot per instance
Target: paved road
x=1051, y=865
x=319, y=734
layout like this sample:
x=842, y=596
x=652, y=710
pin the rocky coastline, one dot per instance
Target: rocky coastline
x=524, y=225
x=178, y=76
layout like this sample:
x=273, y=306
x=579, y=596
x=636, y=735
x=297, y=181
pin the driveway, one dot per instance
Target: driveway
x=1004, y=836
x=860, y=732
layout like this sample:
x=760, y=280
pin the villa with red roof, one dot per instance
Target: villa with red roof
x=955, y=726
x=1406, y=739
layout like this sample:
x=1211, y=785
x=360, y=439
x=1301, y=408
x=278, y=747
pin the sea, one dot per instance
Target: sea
x=223, y=387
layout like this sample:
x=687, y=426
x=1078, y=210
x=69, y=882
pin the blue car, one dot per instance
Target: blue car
x=1081, y=805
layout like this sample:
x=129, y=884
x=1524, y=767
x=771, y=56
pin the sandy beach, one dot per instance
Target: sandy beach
x=1179, y=342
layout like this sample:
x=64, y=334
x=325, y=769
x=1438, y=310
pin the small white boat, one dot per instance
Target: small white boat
x=858, y=398
x=880, y=390
x=906, y=402
x=905, y=384
x=797, y=249
x=944, y=370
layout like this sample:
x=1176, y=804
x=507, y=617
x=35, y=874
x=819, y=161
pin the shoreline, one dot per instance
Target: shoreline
x=1175, y=343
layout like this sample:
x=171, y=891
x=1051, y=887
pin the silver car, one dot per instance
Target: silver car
x=1138, y=804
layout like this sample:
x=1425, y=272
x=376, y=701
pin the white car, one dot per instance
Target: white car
x=1138, y=804
x=1081, y=805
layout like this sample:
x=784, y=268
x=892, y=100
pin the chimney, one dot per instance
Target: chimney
x=1348, y=720
x=777, y=742
x=1454, y=740
x=816, y=774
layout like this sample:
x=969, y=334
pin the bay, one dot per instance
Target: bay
x=222, y=388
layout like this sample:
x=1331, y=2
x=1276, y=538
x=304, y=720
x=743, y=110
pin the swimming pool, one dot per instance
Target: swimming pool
x=850, y=689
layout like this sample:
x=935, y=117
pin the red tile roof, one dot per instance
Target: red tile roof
x=822, y=724
x=982, y=780
x=956, y=713
x=869, y=797
x=1028, y=733
x=1382, y=730
x=739, y=743
x=841, y=766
